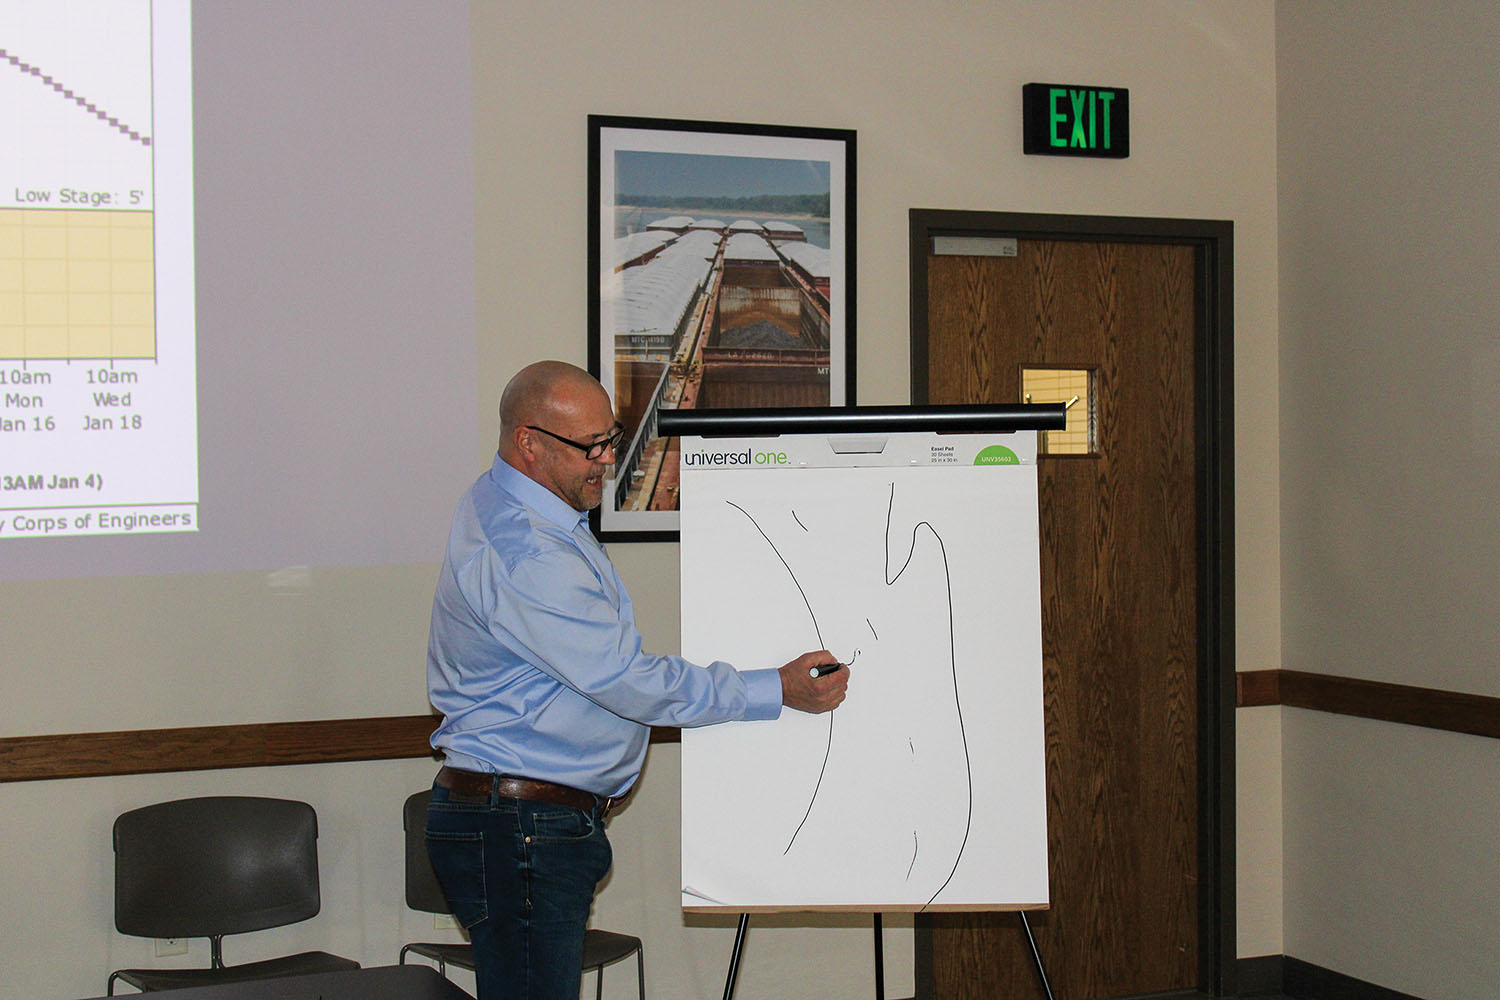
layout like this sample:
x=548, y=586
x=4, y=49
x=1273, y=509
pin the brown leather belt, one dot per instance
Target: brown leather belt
x=478, y=785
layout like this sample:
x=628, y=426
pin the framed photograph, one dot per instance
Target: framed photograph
x=721, y=267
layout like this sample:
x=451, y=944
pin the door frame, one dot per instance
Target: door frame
x=1213, y=381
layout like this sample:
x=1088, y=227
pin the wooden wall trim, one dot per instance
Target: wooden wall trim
x=329, y=741
x=211, y=748
x=1257, y=687
x=1430, y=708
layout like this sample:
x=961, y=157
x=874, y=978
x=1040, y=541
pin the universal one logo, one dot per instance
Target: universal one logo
x=747, y=457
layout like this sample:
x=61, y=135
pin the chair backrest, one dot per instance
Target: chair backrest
x=215, y=865
x=422, y=889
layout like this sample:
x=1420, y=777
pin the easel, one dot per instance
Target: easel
x=869, y=419
x=732, y=979
x=998, y=417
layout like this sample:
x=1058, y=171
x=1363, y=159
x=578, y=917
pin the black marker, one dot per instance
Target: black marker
x=823, y=670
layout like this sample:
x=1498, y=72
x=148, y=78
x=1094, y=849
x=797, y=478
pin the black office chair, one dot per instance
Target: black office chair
x=600, y=948
x=212, y=866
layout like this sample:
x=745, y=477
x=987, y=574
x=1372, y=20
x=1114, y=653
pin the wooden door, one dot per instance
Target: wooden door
x=1121, y=615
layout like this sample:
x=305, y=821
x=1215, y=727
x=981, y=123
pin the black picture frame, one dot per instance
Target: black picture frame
x=721, y=275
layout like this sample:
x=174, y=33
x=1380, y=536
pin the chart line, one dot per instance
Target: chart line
x=78, y=99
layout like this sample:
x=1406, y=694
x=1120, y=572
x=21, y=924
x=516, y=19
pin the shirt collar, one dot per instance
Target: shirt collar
x=536, y=496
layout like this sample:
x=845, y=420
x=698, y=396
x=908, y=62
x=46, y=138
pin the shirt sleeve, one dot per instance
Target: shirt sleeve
x=553, y=610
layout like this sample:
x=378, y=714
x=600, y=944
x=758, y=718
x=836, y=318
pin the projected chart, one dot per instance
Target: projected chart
x=98, y=426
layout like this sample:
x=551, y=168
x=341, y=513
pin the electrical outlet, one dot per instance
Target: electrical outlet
x=444, y=922
x=170, y=946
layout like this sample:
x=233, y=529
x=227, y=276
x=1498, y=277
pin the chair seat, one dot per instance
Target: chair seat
x=599, y=949
x=603, y=947
x=307, y=963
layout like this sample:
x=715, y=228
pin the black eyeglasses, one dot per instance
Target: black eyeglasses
x=590, y=451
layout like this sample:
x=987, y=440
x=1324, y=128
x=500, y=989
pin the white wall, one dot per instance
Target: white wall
x=1392, y=875
x=933, y=90
x=1390, y=375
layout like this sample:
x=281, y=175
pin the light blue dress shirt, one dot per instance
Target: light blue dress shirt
x=534, y=658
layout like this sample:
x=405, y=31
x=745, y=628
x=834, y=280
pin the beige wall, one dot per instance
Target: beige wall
x=934, y=92
x=933, y=89
x=1389, y=147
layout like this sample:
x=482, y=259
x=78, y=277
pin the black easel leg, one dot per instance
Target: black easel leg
x=879, y=961
x=1036, y=956
x=734, y=959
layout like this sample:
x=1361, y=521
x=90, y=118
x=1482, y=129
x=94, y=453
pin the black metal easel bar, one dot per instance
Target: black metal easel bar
x=734, y=958
x=862, y=420
x=1036, y=955
x=739, y=947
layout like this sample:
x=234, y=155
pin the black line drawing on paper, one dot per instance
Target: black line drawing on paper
x=827, y=750
x=890, y=580
x=952, y=665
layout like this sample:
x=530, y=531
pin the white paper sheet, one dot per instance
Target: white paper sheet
x=926, y=788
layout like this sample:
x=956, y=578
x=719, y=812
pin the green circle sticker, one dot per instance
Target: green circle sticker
x=997, y=454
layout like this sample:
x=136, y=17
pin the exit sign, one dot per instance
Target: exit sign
x=1066, y=119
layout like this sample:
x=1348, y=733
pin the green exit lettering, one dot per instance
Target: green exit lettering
x=1063, y=119
x=1086, y=106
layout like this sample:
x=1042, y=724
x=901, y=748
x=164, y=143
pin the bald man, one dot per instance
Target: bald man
x=547, y=698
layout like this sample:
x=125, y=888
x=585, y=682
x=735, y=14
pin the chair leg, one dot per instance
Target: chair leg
x=640, y=977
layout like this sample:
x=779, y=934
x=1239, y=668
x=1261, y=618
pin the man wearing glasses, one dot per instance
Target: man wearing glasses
x=547, y=698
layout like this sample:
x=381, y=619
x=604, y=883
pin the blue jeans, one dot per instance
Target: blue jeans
x=520, y=877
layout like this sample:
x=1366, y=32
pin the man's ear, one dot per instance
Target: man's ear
x=523, y=445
